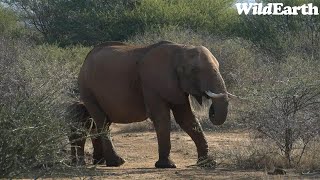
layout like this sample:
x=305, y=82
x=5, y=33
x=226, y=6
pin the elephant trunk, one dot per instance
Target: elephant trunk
x=218, y=111
x=219, y=108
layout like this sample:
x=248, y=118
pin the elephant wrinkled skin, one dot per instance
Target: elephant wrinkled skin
x=122, y=83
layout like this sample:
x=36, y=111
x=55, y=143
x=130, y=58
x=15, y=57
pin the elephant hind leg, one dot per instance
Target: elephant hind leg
x=102, y=126
x=98, y=157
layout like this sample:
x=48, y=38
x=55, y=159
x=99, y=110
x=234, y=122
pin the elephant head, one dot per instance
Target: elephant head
x=198, y=74
x=175, y=70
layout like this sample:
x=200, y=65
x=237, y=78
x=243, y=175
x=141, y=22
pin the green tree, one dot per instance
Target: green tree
x=91, y=21
x=74, y=21
x=215, y=17
x=283, y=34
x=9, y=25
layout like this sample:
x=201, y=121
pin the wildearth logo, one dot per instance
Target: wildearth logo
x=276, y=9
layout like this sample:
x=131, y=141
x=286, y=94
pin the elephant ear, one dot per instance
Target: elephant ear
x=187, y=70
x=158, y=74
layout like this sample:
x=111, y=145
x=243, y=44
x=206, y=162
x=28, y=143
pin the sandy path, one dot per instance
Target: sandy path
x=140, y=152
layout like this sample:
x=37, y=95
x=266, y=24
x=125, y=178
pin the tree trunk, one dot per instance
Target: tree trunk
x=288, y=145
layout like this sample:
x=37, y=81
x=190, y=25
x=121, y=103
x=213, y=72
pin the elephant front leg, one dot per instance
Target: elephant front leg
x=159, y=113
x=162, y=127
x=187, y=121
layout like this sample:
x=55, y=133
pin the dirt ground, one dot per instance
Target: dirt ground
x=140, y=152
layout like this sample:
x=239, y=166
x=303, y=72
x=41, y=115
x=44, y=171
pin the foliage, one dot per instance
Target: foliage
x=290, y=118
x=34, y=84
x=90, y=22
x=206, y=15
x=71, y=22
x=9, y=23
x=282, y=34
x=35, y=80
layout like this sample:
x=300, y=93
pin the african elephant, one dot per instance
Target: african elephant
x=122, y=83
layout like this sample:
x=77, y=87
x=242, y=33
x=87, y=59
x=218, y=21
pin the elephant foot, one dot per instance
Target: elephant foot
x=167, y=163
x=98, y=158
x=99, y=161
x=115, y=162
x=207, y=162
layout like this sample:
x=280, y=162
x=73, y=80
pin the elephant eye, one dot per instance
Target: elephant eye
x=193, y=53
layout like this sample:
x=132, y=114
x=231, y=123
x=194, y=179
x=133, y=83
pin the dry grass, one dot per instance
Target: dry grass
x=40, y=78
x=264, y=154
x=33, y=91
x=311, y=160
x=229, y=148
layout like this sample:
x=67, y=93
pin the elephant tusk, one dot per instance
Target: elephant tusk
x=214, y=95
x=231, y=96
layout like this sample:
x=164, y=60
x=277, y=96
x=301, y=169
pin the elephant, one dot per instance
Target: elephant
x=122, y=83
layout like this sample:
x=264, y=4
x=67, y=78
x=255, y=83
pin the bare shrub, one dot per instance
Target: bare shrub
x=262, y=153
x=290, y=118
x=311, y=159
x=11, y=81
x=34, y=82
x=253, y=154
x=31, y=125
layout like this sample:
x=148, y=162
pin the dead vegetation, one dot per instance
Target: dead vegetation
x=40, y=79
